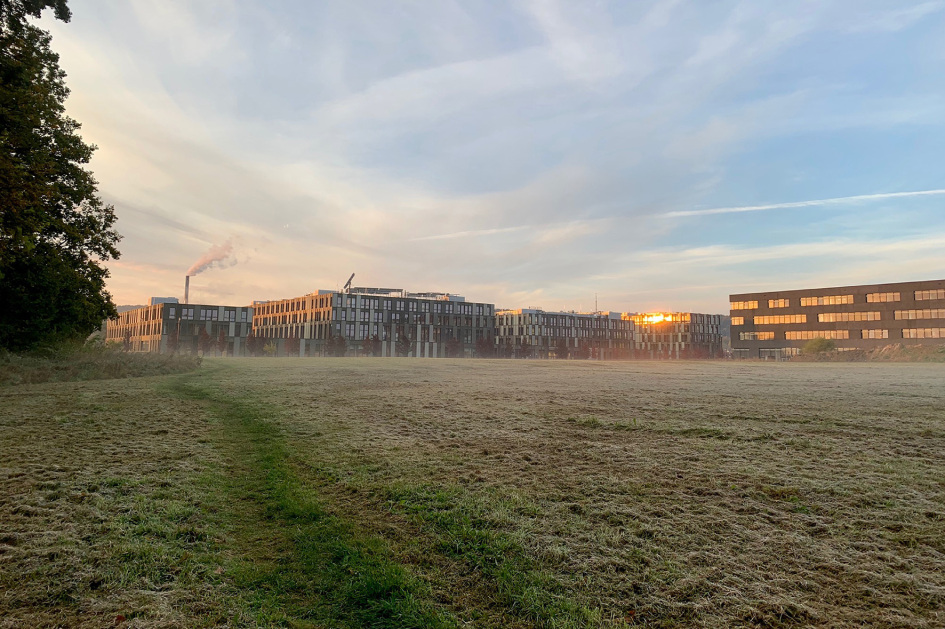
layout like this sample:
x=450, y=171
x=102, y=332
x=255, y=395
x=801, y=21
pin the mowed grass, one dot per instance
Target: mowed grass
x=405, y=492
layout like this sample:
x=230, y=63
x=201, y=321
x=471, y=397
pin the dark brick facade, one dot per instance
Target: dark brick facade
x=776, y=324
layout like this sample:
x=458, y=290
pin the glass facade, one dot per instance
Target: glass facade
x=806, y=335
x=923, y=333
x=779, y=303
x=925, y=295
x=874, y=334
x=882, y=298
x=827, y=300
x=936, y=313
x=738, y=320
x=756, y=336
x=777, y=319
x=744, y=305
x=834, y=317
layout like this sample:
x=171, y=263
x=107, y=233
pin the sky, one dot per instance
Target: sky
x=649, y=155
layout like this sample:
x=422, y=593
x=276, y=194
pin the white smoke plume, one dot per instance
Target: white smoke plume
x=217, y=256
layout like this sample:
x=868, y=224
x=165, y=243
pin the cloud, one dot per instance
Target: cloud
x=510, y=151
x=802, y=204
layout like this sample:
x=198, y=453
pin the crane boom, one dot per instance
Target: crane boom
x=348, y=284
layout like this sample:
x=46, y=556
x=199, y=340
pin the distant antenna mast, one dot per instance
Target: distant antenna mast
x=348, y=284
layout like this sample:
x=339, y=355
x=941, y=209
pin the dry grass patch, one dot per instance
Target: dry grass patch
x=697, y=494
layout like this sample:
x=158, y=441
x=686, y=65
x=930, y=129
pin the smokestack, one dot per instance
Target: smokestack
x=186, y=289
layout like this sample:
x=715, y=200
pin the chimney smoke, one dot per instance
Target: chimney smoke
x=217, y=256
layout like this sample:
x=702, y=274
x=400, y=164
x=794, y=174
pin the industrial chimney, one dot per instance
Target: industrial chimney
x=186, y=289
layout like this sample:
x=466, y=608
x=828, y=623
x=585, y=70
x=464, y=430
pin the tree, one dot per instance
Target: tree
x=252, y=343
x=336, y=346
x=524, y=349
x=583, y=351
x=204, y=342
x=372, y=346
x=453, y=347
x=173, y=341
x=222, y=343
x=485, y=347
x=404, y=343
x=55, y=232
x=291, y=346
x=561, y=349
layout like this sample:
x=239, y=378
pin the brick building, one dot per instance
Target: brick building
x=777, y=324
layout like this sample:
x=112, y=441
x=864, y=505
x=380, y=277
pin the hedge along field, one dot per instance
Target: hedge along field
x=405, y=492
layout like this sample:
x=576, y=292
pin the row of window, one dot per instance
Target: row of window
x=832, y=300
x=776, y=319
x=827, y=300
x=924, y=295
x=932, y=313
x=806, y=335
x=834, y=317
x=924, y=333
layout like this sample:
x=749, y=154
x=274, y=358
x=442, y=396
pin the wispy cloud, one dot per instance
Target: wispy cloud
x=801, y=204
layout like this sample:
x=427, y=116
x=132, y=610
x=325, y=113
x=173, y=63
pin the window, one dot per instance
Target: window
x=881, y=298
x=925, y=295
x=923, y=333
x=738, y=320
x=756, y=336
x=827, y=300
x=171, y=313
x=779, y=303
x=744, y=305
x=774, y=319
x=937, y=313
x=833, y=317
x=874, y=334
x=806, y=335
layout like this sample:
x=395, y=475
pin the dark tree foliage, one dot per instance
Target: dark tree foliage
x=561, y=349
x=222, y=342
x=371, y=346
x=336, y=346
x=404, y=343
x=583, y=351
x=292, y=346
x=55, y=232
x=453, y=347
x=524, y=349
x=485, y=347
x=204, y=342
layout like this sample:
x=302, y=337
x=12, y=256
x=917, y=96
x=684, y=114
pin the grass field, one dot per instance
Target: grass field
x=451, y=493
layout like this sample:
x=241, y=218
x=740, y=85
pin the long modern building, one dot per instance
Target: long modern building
x=429, y=324
x=167, y=326
x=530, y=332
x=777, y=324
x=676, y=335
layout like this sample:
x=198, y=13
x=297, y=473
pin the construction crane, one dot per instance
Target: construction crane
x=347, y=284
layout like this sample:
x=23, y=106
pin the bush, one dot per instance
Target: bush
x=94, y=361
x=819, y=346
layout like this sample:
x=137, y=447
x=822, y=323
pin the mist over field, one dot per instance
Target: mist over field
x=401, y=492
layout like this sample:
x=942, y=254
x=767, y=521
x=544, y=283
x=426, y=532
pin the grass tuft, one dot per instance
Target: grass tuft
x=75, y=362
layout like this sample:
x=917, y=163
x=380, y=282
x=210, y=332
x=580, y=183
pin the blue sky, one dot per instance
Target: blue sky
x=531, y=153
